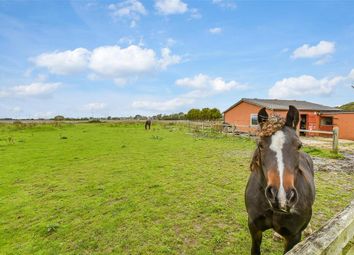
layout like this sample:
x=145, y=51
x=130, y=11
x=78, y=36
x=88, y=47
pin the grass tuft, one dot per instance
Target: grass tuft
x=323, y=153
x=52, y=228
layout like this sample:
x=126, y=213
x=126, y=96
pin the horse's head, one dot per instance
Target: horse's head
x=278, y=152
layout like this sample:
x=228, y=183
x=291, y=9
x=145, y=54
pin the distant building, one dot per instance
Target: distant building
x=243, y=115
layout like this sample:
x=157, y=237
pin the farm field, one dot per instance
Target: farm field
x=101, y=188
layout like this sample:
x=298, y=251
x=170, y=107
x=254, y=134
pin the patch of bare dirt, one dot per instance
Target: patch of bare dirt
x=346, y=147
x=337, y=165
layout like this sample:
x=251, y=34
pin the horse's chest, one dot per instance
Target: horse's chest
x=287, y=224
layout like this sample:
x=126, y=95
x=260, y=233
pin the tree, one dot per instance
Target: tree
x=181, y=116
x=215, y=114
x=193, y=114
x=205, y=114
x=139, y=117
x=59, y=118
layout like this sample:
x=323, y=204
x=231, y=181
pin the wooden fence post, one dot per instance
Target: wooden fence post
x=335, y=139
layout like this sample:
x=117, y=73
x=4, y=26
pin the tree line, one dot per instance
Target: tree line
x=192, y=114
x=204, y=114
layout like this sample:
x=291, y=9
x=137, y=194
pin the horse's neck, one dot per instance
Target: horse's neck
x=262, y=182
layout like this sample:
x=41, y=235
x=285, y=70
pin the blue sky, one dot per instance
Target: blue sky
x=121, y=58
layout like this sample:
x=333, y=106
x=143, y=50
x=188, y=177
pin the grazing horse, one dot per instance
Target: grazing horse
x=280, y=191
x=147, y=124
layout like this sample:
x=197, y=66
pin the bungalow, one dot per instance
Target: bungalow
x=243, y=115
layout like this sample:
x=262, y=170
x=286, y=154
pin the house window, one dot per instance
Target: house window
x=254, y=120
x=326, y=121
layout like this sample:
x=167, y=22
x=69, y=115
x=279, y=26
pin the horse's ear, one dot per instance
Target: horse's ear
x=292, y=117
x=262, y=116
x=256, y=161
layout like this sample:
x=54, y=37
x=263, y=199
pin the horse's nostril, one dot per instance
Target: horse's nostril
x=291, y=197
x=271, y=193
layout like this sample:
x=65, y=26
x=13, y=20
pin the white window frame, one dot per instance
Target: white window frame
x=252, y=115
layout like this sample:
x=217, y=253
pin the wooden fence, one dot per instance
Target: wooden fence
x=334, y=133
x=332, y=238
x=251, y=131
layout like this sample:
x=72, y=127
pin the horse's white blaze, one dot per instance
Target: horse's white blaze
x=278, y=140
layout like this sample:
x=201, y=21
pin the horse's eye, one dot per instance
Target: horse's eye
x=299, y=146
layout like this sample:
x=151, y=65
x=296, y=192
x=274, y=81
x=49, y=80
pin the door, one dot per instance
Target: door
x=303, y=123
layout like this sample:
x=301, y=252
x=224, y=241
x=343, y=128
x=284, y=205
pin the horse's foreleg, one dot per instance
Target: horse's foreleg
x=308, y=230
x=256, y=235
x=291, y=241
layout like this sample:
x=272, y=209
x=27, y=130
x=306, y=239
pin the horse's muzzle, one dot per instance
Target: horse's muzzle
x=291, y=198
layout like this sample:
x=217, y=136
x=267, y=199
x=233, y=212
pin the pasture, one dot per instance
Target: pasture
x=104, y=188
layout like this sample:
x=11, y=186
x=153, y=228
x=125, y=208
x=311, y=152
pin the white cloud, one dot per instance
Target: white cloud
x=321, y=49
x=16, y=109
x=4, y=93
x=166, y=105
x=29, y=90
x=215, y=30
x=323, y=60
x=227, y=4
x=116, y=62
x=113, y=62
x=130, y=9
x=197, y=82
x=126, y=40
x=64, y=62
x=35, y=89
x=202, y=82
x=12, y=109
x=120, y=81
x=44, y=115
x=95, y=106
x=307, y=85
x=170, y=42
x=168, y=59
x=202, y=86
x=41, y=78
x=351, y=75
x=168, y=7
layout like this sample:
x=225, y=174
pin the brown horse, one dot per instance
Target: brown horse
x=280, y=191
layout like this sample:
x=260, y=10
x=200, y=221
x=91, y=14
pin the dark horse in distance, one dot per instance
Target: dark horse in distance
x=280, y=191
x=148, y=124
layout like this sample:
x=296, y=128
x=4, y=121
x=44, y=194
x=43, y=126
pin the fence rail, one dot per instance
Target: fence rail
x=331, y=238
x=316, y=131
x=334, y=133
x=251, y=130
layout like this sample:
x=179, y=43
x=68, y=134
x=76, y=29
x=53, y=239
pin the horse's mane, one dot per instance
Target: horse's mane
x=272, y=125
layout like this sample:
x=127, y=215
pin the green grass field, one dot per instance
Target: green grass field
x=116, y=188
